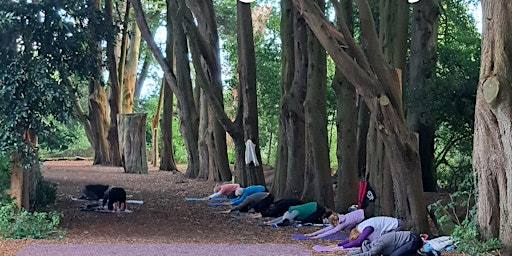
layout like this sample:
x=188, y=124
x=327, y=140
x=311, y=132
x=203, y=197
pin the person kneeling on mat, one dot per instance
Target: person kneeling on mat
x=115, y=198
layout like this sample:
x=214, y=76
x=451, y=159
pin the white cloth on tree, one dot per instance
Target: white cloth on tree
x=250, y=153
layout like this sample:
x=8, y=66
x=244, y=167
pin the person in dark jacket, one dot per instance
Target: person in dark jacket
x=115, y=198
x=94, y=192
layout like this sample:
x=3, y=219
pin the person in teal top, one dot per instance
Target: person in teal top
x=311, y=212
x=243, y=193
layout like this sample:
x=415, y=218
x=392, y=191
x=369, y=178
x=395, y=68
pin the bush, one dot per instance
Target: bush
x=465, y=233
x=19, y=224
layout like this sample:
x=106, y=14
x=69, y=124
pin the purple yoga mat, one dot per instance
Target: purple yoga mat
x=329, y=248
x=335, y=236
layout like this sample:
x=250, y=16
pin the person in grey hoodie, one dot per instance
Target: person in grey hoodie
x=396, y=243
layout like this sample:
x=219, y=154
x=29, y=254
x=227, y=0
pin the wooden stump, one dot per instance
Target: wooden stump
x=132, y=142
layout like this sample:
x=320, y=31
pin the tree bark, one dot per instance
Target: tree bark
x=130, y=71
x=293, y=109
x=250, y=173
x=98, y=110
x=132, y=141
x=115, y=93
x=492, y=144
x=422, y=68
x=379, y=87
x=287, y=71
x=318, y=171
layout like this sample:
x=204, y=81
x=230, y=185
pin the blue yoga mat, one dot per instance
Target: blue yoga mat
x=215, y=203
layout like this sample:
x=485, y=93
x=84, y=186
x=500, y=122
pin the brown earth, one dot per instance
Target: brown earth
x=164, y=218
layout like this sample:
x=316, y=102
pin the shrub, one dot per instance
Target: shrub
x=19, y=224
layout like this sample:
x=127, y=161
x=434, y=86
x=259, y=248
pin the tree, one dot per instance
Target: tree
x=43, y=45
x=379, y=87
x=422, y=74
x=492, y=145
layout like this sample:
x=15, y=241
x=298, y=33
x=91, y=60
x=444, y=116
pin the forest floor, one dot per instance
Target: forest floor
x=164, y=217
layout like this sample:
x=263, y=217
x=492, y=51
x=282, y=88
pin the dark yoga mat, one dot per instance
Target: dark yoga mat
x=215, y=203
x=336, y=236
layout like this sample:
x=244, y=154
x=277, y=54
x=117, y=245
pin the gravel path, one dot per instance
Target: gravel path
x=163, y=249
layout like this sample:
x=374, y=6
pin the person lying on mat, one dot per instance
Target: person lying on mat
x=243, y=193
x=311, y=212
x=339, y=222
x=255, y=201
x=395, y=243
x=276, y=209
x=226, y=190
x=93, y=192
x=371, y=229
x=115, y=198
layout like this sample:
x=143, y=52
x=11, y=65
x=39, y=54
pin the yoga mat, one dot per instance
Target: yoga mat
x=101, y=200
x=335, y=236
x=215, y=203
x=97, y=209
x=329, y=248
x=202, y=199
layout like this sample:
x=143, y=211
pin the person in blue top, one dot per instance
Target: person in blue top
x=243, y=193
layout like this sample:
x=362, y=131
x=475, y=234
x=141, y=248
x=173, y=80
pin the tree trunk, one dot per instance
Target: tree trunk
x=317, y=183
x=251, y=173
x=217, y=150
x=422, y=68
x=287, y=72
x=132, y=141
x=115, y=93
x=346, y=148
x=293, y=109
x=492, y=145
x=130, y=71
x=346, y=193
x=98, y=110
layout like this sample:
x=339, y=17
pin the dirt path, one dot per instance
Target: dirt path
x=164, y=218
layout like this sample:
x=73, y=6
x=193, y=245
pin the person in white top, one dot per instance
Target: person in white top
x=371, y=229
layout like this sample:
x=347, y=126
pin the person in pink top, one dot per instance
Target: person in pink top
x=339, y=222
x=226, y=190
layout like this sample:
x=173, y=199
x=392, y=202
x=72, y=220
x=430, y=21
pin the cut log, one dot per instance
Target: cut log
x=132, y=142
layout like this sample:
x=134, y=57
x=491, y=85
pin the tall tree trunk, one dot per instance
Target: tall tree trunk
x=130, y=71
x=205, y=15
x=422, y=67
x=250, y=173
x=346, y=148
x=492, y=145
x=287, y=71
x=346, y=123
x=293, y=109
x=167, y=162
x=318, y=171
x=115, y=93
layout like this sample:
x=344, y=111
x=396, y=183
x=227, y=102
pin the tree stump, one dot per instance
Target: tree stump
x=132, y=142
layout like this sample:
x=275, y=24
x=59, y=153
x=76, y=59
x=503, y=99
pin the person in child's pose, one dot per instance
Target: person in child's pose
x=338, y=222
x=93, y=192
x=394, y=243
x=275, y=209
x=115, y=197
x=243, y=193
x=371, y=229
x=255, y=201
x=226, y=190
x=310, y=212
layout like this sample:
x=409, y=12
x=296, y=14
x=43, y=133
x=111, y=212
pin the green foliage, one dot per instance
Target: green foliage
x=43, y=44
x=5, y=176
x=464, y=231
x=20, y=224
x=468, y=239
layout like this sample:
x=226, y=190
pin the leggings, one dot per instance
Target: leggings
x=290, y=216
